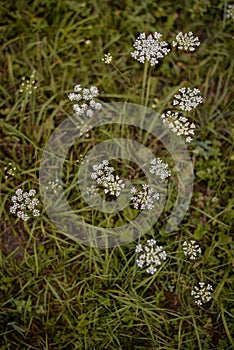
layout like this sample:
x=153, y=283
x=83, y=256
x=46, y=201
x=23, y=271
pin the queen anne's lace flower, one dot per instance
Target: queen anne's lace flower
x=151, y=256
x=107, y=58
x=24, y=203
x=149, y=48
x=92, y=191
x=144, y=199
x=159, y=168
x=28, y=85
x=179, y=124
x=87, y=103
x=104, y=176
x=187, y=99
x=230, y=11
x=186, y=41
x=191, y=249
x=202, y=294
x=9, y=170
x=53, y=186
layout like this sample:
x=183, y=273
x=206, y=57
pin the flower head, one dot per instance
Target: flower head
x=187, y=99
x=28, y=85
x=230, y=11
x=149, y=48
x=159, y=168
x=151, y=256
x=191, y=249
x=179, y=124
x=9, y=170
x=53, y=186
x=104, y=176
x=107, y=58
x=144, y=199
x=186, y=41
x=87, y=105
x=24, y=203
x=92, y=191
x=202, y=294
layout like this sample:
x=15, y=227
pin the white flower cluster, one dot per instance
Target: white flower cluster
x=107, y=58
x=9, y=170
x=149, y=48
x=82, y=159
x=145, y=199
x=191, y=249
x=53, y=186
x=87, y=104
x=151, y=256
x=202, y=294
x=179, y=124
x=28, y=85
x=186, y=41
x=92, y=191
x=104, y=177
x=187, y=99
x=159, y=168
x=230, y=11
x=24, y=202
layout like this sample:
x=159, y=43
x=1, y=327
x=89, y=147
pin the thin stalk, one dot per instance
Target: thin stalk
x=144, y=83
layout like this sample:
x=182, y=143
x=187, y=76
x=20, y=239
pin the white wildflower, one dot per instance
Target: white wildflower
x=159, y=168
x=87, y=105
x=149, y=48
x=186, y=41
x=82, y=159
x=179, y=124
x=53, y=186
x=92, y=191
x=107, y=58
x=144, y=199
x=187, y=99
x=24, y=203
x=151, y=256
x=28, y=85
x=10, y=170
x=104, y=176
x=191, y=249
x=202, y=294
x=230, y=11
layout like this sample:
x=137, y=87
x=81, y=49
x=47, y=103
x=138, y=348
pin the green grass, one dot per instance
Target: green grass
x=56, y=293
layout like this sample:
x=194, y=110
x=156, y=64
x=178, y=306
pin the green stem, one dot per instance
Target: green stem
x=189, y=67
x=122, y=75
x=144, y=83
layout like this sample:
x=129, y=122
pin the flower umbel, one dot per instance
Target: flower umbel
x=104, y=177
x=149, y=48
x=151, y=256
x=230, y=11
x=107, y=58
x=28, y=85
x=145, y=199
x=191, y=249
x=187, y=99
x=179, y=124
x=9, y=170
x=202, y=294
x=24, y=203
x=159, y=168
x=53, y=186
x=92, y=191
x=82, y=159
x=186, y=41
x=85, y=97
